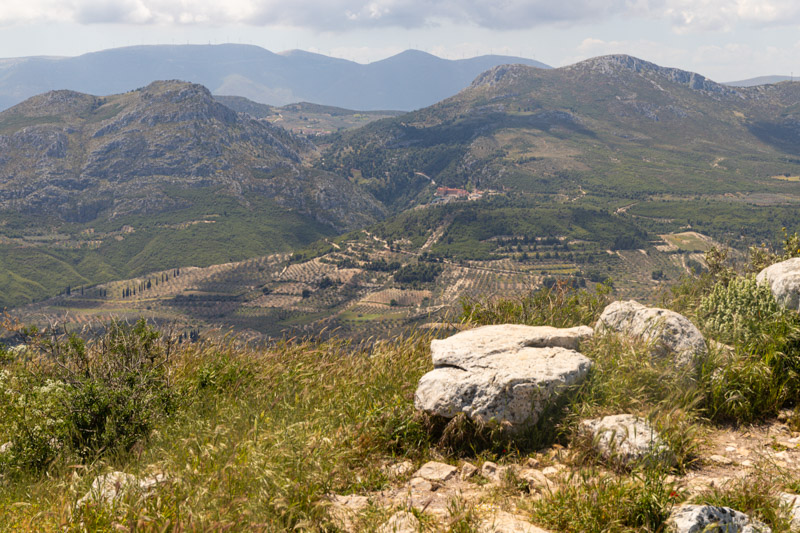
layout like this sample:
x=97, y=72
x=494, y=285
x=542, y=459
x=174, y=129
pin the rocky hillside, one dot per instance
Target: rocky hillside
x=81, y=157
x=617, y=129
x=100, y=188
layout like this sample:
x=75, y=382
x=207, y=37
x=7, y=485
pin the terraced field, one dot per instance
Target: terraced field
x=351, y=287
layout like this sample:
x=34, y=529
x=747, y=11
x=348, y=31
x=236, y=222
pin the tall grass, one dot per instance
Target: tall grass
x=260, y=438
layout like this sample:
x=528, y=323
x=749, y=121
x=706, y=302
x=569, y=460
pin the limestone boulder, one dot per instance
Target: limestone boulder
x=712, y=519
x=107, y=488
x=784, y=281
x=506, y=375
x=626, y=439
x=669, y=333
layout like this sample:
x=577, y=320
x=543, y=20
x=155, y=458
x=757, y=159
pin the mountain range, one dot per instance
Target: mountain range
x=614, y=127
x=409, y=80
x=605, y=155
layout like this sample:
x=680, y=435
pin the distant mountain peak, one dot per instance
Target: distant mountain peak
x=500, y=74
x=612, y=64
x=60, y=102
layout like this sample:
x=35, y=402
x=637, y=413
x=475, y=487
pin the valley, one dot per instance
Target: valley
x=165, y=203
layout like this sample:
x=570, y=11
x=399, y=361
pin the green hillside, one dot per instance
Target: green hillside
x=612, y=130
x=96, y=189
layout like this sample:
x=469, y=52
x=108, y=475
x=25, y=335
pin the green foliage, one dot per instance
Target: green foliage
x=558, y=305
x=740, y=311
x=756, y=496
x=758, y=374
x=417, y=274
x=594, y=502
x=87, y=399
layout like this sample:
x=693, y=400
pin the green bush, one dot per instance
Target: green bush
x=760, y=373
x=741, y=311
x=81, y=400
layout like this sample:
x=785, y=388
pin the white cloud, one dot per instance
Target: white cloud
x=341, y=15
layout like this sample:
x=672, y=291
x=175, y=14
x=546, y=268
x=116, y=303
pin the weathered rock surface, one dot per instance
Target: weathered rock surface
x=506, y=374
x=711, y=519
x=401, y=522
x=344, y=510
x=625, y=439
x=668, y=332
x=784, y=281
x=108, y=487
x=435, y=471
x=504, y=522
x=792, y=501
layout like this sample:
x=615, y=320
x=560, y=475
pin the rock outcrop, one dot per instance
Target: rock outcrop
x=792, y=502
x=506, y=375
x=669, y=333
x=712, y=519
x=401, y=522
x=784, y=281
x=625, y=439
x=107, y=488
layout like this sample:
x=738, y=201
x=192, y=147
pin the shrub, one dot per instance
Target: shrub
x=741, y=310
x=759, y=375
x=87, y=399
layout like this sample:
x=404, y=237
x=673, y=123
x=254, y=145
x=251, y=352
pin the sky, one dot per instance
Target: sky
x=725, y=40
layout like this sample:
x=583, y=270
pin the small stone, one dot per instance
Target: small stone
x=399, y=469
x=747, y=463
x=489, y=470
x=344, y=509
x=435, y=471
x=401, y=522
x=551, y=471
x=720, y=459
x=535, y=479
x=468, y=470
x=6, y=447
x=533, y=462
x=108, y=487
x=418, y=484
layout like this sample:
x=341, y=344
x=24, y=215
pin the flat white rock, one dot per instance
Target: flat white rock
x=435, y=471
x=712, y=519
x=668, y=332
x=469, y=349
x=625, y=439
x=784, y=281
x=493, y=374
x=106, y=488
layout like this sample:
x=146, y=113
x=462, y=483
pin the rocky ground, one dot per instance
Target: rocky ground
x=498, y=495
